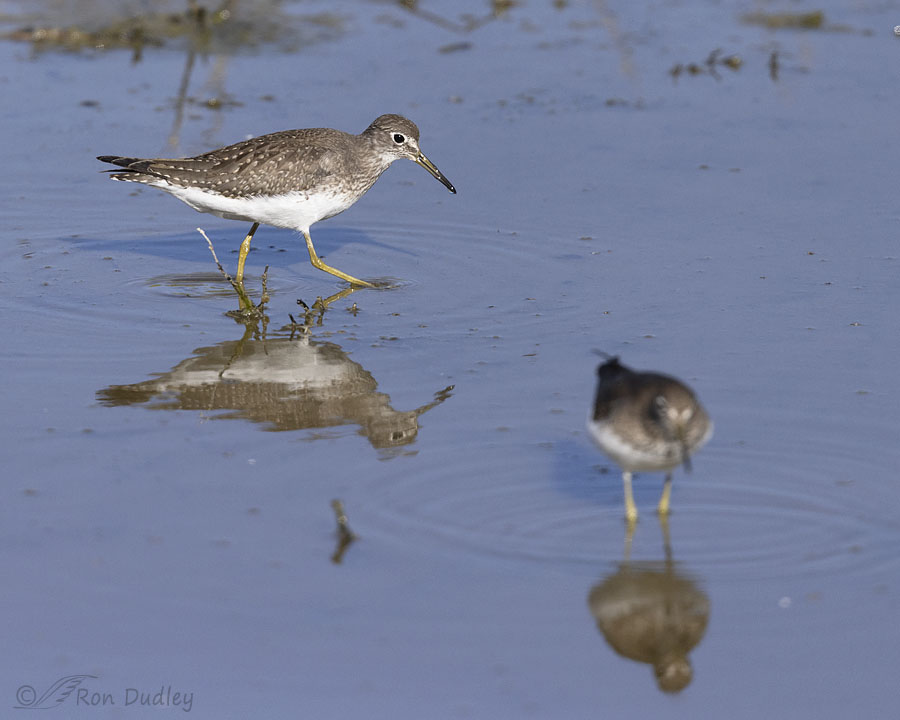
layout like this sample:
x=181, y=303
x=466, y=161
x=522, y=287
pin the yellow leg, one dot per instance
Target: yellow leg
x=242, y=255
x=663, y=507
x=631, y=512
x=317, y=263
x=629, y=536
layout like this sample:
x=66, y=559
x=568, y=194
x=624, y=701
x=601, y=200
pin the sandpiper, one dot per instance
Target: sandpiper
x=289, y=179
x=646, y=422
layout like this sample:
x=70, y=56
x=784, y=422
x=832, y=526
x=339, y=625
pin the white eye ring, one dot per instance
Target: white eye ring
x=399, y=139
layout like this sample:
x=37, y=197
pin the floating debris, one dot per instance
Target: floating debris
x=455, y=47
x=732, y=62
x=221, y=30
x=708, y=66
x=814, y=20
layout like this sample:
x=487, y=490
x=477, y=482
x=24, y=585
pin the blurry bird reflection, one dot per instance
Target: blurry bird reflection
x=284, y=381
x=652, y=612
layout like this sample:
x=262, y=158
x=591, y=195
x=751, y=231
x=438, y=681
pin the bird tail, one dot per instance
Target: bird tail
x=131, y=164
x=129, y=168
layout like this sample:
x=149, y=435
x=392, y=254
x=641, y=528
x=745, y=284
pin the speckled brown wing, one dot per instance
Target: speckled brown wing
x=288, y=161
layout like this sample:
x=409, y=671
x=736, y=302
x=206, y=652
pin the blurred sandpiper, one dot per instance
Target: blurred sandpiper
x=646, y=421
x=289, y=179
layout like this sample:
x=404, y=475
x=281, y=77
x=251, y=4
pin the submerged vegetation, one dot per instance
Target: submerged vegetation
x=225, y=28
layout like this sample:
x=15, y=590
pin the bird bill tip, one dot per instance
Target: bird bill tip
x=437, y=174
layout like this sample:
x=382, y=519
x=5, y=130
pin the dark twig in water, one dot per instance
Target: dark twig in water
x=265, y=287
x=711, y=61
x=248, y=310
x=709, y=66
x=773, y=66
x=603, y=354
x=346, y=537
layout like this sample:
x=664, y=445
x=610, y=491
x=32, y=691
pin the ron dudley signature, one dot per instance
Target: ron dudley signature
x=77, y=690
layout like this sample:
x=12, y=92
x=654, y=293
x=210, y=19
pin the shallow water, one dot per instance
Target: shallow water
x=169, y=472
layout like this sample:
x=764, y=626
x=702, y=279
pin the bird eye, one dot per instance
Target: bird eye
x=399, y=139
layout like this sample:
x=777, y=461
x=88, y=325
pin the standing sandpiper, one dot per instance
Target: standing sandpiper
x=646, y=421
x=289, y=179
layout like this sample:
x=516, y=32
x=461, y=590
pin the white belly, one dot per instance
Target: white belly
x=659, y=456
x=295, y=211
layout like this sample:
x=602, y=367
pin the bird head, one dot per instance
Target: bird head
x=398, y=138
x=676, y=411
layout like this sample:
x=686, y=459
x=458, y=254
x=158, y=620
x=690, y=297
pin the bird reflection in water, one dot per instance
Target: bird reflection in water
x=287, y=381
x=653, y=613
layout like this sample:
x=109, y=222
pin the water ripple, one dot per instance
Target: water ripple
x=791, y=509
